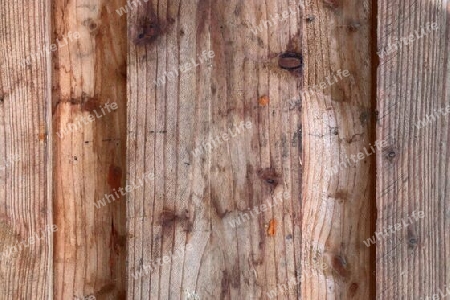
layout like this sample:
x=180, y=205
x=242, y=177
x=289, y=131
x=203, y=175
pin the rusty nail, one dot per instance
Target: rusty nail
x=290, y=60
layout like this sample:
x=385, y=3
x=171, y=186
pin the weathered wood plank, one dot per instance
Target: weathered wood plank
x=89, y=111
x=337, y=125
x=205, y=180
x=26, y=233
x=413, y=257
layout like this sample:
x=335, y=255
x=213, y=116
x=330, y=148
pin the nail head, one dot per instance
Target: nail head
x=290, y=60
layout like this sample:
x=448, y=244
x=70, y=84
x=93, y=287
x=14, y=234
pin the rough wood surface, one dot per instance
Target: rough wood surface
x=189, y=205
x=25, y=152
x=338, y=188
x=89, y=82
x=413, y=172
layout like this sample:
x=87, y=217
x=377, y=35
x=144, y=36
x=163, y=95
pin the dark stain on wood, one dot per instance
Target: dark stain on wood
x=168, y=218
x=91, y=104
x=114, y=177
x=364, y=117
x=225, y=285
x=148, y=28
x=269, y=176
x=146, y=33
x=236, y=277
x=217, y=207
x=294, y=43
x=352, y=289
x=353, y=26
x=333, y=4
x=122, y=295
x=354, y=138
x=341, y=195
x=105, y=290
x=117, y=241
x=203, y=13
x=86, y=103
x=340, y=265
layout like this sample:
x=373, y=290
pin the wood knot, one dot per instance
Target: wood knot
x=392, y=154
x=146, y=31
x=412, y=242
x=412, y=239
x=147, y=34
x=91, y=25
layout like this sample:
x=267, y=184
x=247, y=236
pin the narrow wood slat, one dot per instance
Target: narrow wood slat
x=338, y=114
x=89, y=112
x=413, y=257
x=182, y=215
x=26, y=232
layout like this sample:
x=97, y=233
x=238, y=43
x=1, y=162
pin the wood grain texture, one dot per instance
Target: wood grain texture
x=338, y=190
x=413, y=86
x=89, y=72
x=25, y=152
x=193, y=199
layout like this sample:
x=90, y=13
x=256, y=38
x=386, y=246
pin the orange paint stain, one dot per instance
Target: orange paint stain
x=263, y=101
x=271, y=228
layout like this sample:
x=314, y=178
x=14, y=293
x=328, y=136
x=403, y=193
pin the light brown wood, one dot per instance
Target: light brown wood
x=413, y=175
x=193, y=199
x=247, y=173
x=338, y=189
x=26, y=235
x=89, y=82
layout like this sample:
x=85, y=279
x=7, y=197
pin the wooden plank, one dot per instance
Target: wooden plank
x=89, y=111
x=413, y=86
x=26, y=232
x=188, y=206
x=338, y=190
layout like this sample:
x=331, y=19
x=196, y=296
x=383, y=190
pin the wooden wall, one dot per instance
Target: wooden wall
x=277, y=149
